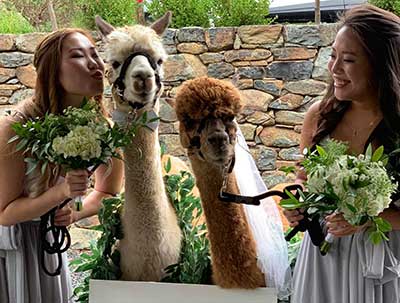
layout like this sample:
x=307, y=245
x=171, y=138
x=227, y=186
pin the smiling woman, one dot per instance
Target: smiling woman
x=361, y=107
x=68, y=71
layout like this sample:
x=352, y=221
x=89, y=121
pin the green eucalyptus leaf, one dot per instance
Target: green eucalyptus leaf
x=22, y=144
x=44, y=166
x=377, y=154
x=368, y=152
x=13, y=139
x=375, y=237
x=290, y=204
x=383, y=225
x=321, y=151
x=351, y=208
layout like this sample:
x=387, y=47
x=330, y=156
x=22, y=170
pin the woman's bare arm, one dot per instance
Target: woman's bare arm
x=14, y=207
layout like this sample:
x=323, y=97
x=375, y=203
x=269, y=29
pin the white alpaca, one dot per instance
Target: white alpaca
x=152, y=238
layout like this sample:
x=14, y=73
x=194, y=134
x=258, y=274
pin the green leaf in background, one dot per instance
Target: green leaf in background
x=288, y=169
x=168, y=165
x=194, y=266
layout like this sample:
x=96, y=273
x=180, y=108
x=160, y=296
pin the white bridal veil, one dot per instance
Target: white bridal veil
x=264, y=221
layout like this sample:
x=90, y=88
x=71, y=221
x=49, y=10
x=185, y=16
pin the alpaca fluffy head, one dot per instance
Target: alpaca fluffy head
x=206, y=108
x=207, y=97
x=140, y=80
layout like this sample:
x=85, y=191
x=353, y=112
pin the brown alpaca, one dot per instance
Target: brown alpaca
x=206, y=108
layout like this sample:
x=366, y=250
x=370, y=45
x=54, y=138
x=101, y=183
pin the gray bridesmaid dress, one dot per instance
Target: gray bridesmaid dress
x=22, y=279
x=353, y=271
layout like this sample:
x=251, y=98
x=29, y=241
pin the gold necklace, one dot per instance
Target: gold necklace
x=355, y=132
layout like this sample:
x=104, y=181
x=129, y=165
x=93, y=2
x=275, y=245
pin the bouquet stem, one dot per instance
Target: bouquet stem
x=78, y=203
x=326, y=244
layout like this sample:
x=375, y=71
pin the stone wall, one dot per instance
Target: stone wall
x=281, y=69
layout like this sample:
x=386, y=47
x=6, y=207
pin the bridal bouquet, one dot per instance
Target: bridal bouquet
x=359, y=187
x=79, y=138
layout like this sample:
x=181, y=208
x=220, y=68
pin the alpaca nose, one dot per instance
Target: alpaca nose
x=218, y=139
x=142, y=74
x=141, y=79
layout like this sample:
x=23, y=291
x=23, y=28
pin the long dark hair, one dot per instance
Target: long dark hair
x=378, y=31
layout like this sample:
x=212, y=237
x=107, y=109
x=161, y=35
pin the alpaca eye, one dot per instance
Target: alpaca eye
x=159, y=62
x=228, y=118
x=115, y=64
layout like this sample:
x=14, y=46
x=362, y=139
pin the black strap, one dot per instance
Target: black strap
x=120, y=85
x=60, y=234
x=255, y=200
x=309, y=224
x=61, y=239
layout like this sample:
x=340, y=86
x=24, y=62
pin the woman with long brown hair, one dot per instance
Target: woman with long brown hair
x=362, y=106
x=69, y=69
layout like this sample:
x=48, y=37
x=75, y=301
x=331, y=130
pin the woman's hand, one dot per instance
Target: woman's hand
x=76, y=183
x=339, y=227
x=64, y=216
x=293, y=216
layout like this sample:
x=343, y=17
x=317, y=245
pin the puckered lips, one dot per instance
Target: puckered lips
x=98, y=75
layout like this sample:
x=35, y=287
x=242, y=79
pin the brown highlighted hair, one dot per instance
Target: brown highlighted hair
x=47, y=99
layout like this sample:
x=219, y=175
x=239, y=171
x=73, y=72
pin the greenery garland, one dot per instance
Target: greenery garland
x=103, y=262
x=194, y=265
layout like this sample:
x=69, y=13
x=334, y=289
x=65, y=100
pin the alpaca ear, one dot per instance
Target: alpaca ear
x=104, y=27
x=184, y=138
x=161, y=24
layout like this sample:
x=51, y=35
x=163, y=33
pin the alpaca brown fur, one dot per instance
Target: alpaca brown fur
x=212, y=98
x=233, y=249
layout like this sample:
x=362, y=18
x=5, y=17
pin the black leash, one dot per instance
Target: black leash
x=61, y=239
x=307, y=223
x=60, y=234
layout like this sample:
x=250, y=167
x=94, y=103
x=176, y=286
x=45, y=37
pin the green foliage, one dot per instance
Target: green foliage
x=358, y=187
x=36, y=12
x=294, y=247
x=389, y=5
x=243, y=12
x=38, y=137
x=323, y=156
x=103, y=262
x=184, y=12
x=116, y=12
x=207, y=13
x=288, y=169
x=12, y=22
x=194, y=266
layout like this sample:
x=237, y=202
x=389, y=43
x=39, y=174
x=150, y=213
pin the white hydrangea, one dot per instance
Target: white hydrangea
x=82, y=141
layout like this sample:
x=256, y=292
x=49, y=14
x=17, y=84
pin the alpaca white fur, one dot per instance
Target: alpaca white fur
x=152, y=238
